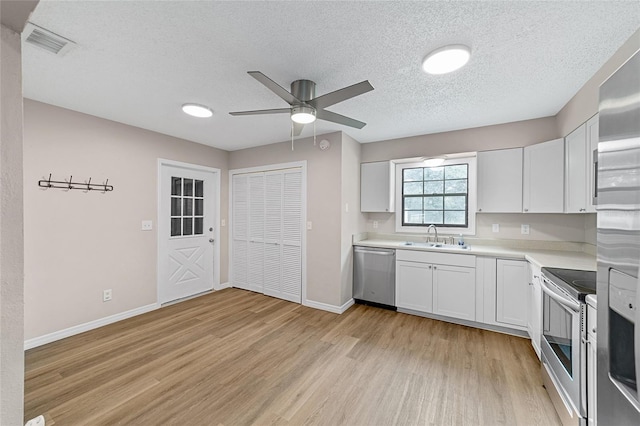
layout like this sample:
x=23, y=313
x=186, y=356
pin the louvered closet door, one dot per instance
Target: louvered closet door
x=292, y=236
x=240, y=231
x=273, y=234
x=256, y=232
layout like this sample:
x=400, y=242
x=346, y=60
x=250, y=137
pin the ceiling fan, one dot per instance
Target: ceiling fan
x=305, y=106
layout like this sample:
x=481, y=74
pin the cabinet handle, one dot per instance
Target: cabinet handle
x=526, y=210
x=429, y=266
x=535, y=276
x=435, y=267
x=593, y=330
x=583, y=210
x=479, y=210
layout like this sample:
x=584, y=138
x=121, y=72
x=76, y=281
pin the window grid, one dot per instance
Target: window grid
x=436, y=195
x=187, y=207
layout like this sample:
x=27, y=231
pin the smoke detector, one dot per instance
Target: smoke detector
x=46, y=40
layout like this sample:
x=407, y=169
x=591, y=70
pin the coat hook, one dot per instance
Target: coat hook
x=49, y=181
x=70, y=180
x=89, y=185
x=105, y=185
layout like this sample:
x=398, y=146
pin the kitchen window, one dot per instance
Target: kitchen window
x=443, y=196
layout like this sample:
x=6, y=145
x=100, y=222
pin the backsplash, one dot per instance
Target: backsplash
x=543, y=227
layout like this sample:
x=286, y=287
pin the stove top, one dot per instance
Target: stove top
x=575, y=282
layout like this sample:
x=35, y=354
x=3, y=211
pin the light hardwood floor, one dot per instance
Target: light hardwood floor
x=234, y=357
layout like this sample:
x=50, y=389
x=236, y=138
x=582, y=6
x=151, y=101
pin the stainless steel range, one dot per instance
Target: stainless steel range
x=564, y=352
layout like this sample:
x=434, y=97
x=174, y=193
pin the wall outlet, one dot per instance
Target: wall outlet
x=495, y=227
x=38, y=421
x=147, y=225
x=524, y=229
x=107, y=295
x=309, y=225
x=375, y=224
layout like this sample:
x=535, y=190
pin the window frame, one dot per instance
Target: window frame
x=470, y=229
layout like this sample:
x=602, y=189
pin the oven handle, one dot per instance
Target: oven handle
x=558, y=298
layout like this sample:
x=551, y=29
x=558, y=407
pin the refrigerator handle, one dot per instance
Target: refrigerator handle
x=594, y=190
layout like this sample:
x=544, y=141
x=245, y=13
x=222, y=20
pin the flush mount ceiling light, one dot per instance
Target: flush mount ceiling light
x=433, y=162
x=196, y=110
x=446, y=59
x=303, y=114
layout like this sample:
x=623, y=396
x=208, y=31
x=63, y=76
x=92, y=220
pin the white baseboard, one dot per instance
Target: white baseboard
x=223, y=286
x=77, y=329
x=330, y=308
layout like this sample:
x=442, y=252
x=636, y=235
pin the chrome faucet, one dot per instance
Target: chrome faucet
x=429, y=231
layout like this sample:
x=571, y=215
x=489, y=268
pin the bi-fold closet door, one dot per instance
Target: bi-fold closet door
x=267, y=233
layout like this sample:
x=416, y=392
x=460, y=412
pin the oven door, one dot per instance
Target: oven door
x=561, y=344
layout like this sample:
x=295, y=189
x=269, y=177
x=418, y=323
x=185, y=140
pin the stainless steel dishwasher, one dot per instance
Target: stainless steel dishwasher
x=374, y=276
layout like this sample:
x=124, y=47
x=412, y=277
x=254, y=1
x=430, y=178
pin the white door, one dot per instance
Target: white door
x=255, y=267
x=292, y=236
x=186, y=232
x=240, y=231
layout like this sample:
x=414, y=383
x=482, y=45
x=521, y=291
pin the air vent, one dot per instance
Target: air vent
x=46, y=40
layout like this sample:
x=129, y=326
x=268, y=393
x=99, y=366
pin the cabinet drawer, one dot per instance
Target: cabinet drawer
x=591, y=320
x=466, y=260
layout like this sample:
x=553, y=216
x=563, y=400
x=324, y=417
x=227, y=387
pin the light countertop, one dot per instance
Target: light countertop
x=540, y=257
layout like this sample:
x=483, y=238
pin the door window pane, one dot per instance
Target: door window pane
x=197, y=226
x=176, y=186
x=199, y=188
x=188, y=187
x=176, y=227
x=188, y=207
x=199, y=207
x=187, y=226
x=175, y=206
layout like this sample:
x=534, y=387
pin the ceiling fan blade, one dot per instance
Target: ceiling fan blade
x=340, y=119
x=341, y=95
x=297, y=128
x=275, y=87
x=262, y=111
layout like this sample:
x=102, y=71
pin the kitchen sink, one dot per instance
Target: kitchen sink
x=436, y=245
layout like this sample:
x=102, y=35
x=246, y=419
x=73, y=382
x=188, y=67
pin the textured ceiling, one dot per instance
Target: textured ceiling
x=137, y=62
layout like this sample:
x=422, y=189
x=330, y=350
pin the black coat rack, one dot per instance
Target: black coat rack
x=88, y=186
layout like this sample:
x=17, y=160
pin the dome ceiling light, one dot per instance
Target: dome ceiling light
x=446, y=59
x=196, y=110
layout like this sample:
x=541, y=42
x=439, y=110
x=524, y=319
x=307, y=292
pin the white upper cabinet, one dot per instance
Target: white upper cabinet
x=581, y=150
x=592, y=161
x=543, y=186
x=377, y=184
x=576, y=171
x=500, y=181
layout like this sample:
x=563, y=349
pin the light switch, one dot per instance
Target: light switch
x=375, y=224
x=223, y=222
x=495, y=227
x=309, y=225
x=346, y=207
x=524, y=229
x=147, y=225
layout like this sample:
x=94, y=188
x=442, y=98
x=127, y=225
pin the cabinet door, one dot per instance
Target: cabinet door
x=576, y=171
x=500, y=181
x=592, y=161
x=414, y=286
x=543, y=188
x=534, y=311
x=377, y=187
x=454, y=291
x=512, y=291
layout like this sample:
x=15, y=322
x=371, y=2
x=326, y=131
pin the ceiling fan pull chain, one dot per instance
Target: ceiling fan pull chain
x=292, y=136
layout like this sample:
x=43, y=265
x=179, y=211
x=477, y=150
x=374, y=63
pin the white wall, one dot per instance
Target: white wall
x=11, y=231
x=77, y=244
x=353, y=221
x=323, y=206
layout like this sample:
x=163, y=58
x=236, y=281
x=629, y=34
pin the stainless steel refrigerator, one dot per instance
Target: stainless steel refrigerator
x=618, y=214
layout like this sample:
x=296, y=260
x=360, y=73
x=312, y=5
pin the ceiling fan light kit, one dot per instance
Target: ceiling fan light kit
x=196, y=110
x=303, y=114
x=446, y=59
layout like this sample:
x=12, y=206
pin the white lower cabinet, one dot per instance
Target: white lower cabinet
x=414, y=286
x=512, y=292
x=438, y=283
x=534, y=312
x=454, y=291
x=592, y=364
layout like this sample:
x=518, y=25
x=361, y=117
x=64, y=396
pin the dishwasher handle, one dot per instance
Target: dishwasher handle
x=378, y=252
